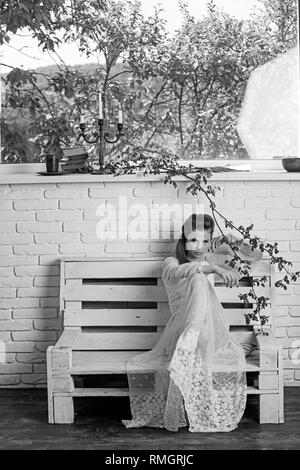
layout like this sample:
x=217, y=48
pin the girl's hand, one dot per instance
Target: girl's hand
x=222, y=248
x=244, y=249
x=230, y=278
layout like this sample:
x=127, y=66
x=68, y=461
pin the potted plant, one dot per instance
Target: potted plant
x=291, y=164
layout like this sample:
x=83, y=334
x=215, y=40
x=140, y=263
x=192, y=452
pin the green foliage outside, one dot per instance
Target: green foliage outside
x=181, y=93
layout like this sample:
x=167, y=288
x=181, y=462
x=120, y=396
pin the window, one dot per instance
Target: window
x=184, y=87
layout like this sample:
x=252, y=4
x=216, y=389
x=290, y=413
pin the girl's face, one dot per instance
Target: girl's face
x=197, y=244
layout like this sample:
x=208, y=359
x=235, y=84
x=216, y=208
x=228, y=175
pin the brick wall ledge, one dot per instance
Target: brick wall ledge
x=32, y=178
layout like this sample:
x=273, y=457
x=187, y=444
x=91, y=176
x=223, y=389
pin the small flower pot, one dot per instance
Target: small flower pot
x=52, y=163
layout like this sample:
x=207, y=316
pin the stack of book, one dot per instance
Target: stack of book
x=73, y=159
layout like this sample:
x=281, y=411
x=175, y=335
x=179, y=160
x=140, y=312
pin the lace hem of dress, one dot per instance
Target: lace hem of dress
x=214, y=401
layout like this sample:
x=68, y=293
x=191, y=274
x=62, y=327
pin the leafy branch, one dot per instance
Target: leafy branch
x=168, y=166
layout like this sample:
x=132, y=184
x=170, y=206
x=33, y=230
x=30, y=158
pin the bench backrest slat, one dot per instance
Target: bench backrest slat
x=76, y=291
x=142, y=267
x=102, y=340
x=113, y=269
x=140, y=317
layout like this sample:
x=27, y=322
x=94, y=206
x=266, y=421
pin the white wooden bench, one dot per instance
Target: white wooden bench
x=114, y=308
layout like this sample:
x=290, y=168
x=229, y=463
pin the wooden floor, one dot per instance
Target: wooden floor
x=23, y=425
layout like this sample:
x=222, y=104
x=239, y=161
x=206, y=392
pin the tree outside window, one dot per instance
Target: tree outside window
x=181, y=92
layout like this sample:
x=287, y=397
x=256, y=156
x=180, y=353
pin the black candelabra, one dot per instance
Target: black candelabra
x=104, y=137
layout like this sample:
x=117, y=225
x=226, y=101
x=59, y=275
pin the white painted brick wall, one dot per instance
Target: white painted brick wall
x=42, y=222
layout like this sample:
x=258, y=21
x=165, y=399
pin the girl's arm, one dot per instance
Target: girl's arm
x=172, y=270
x=230, y=277
x=216, y=246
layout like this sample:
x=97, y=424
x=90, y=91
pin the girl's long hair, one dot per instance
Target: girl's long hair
x=194, y=222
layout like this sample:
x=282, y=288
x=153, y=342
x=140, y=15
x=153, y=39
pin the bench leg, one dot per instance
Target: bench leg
x=269, y=408
x=271, y=405
x=50, y=385
x=281, y=388
x=63, y=410
x=60, y=408
x=63, y=405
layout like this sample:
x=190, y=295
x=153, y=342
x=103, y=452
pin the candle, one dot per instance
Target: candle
x=100, y=104
x=120, y=114
x=81, y=119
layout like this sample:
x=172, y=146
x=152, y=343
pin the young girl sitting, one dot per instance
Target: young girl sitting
x=195, y=374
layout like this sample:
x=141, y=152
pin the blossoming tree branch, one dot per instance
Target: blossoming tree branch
x=170, y=167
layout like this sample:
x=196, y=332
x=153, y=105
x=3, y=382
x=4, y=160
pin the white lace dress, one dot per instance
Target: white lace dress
x=195, y=374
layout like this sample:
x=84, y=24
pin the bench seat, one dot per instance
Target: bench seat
x=114, y=362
